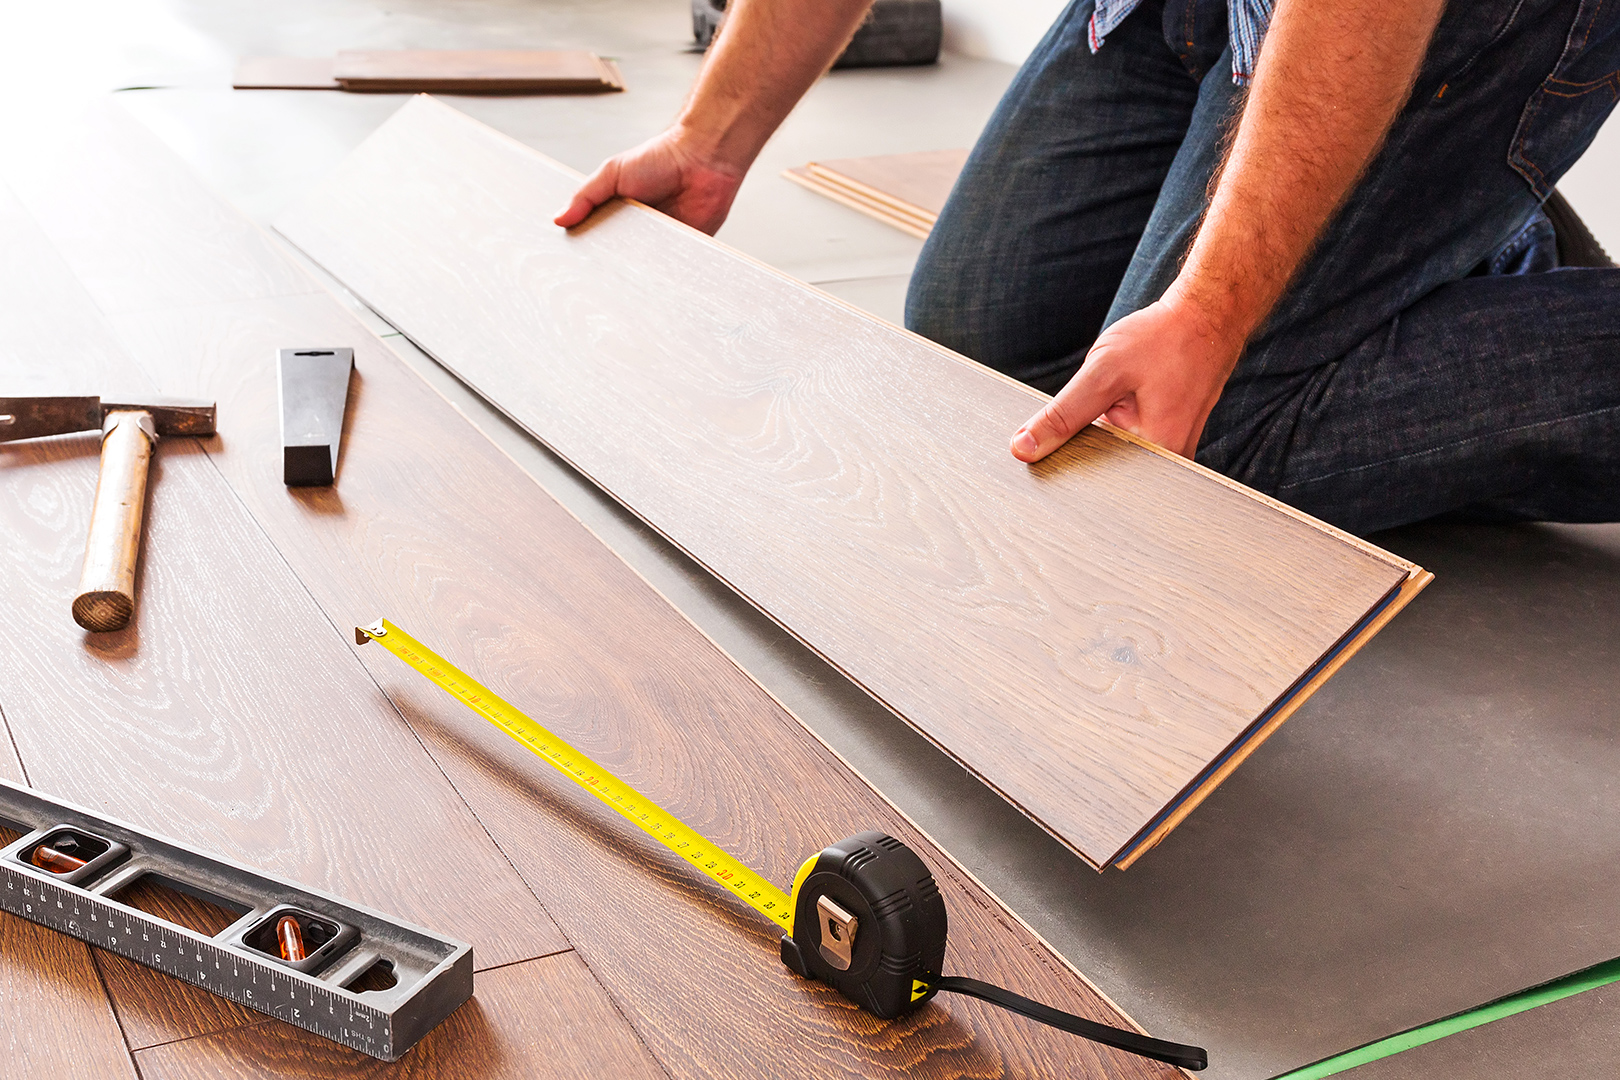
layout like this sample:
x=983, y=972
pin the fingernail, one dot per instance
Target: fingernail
x=1024, y=442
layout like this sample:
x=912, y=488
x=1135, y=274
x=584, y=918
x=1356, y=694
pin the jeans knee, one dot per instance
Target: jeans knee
x=937, y=305
x=954, y=301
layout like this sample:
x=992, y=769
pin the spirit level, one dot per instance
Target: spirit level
x=69, y=868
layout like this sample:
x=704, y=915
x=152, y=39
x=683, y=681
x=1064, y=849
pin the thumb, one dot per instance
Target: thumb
x=601, y=186
x=1086, y=396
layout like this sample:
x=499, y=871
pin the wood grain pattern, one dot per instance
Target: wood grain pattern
x=532, y=603
x=231, y=711
x=1089, y=636
x=57, y=1020
x=534, y=606
x=544, y=1018
x=207, y=271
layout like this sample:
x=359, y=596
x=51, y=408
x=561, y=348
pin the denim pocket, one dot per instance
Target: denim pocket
x=1564, y=114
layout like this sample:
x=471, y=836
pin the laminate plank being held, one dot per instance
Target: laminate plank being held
x=1100, y=637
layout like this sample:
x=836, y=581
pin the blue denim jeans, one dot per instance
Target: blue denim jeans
x=1411, y=370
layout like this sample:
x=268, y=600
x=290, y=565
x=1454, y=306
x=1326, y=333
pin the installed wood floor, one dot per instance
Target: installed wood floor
x=1090, y=636
x=253, y=725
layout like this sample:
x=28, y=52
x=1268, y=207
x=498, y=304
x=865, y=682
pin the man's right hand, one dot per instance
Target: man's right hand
x=667, y=173
x=765, y=57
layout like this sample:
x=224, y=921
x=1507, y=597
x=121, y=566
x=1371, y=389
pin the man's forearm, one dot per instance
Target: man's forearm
x=767, y=54
x=1331, y=78
x=1330, y=81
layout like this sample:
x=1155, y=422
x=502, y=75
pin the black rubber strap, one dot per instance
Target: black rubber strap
x=1188, y=1057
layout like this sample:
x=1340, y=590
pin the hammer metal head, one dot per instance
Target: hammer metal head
x=36, y=417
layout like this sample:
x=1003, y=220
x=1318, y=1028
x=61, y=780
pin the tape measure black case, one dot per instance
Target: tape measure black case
x=868, y=920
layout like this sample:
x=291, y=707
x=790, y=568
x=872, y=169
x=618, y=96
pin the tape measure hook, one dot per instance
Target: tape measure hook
x=363, y=634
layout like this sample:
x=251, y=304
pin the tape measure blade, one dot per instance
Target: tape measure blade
x=670, y=831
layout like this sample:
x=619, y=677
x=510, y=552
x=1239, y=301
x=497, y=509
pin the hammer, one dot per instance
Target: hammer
x=106, y=596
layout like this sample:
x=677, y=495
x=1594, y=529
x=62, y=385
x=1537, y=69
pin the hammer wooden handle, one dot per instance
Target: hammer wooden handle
x=107, y=589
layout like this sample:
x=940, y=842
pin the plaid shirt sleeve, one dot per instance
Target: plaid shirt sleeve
x=1248, y=20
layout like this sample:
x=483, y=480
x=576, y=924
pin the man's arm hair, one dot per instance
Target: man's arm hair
x=766, y=55
x=1331, y=78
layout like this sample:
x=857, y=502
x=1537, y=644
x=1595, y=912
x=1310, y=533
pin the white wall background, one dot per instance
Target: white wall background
x=1004, y=30
x=1008, y=30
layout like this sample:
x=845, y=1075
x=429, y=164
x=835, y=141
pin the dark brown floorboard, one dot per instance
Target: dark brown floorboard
x=543, y=1018
x=56, y=1017
x=230, y=713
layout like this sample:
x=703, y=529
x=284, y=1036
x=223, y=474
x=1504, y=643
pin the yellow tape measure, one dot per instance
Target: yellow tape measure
x=641, y=811
x=865, y=916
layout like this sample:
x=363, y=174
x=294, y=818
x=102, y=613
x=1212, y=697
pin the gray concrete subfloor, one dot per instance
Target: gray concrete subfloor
x=1536, y=1045
x=1429, y=832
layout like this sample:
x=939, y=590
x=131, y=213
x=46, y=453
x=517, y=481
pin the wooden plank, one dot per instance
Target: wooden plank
x=906, y=223
x=284, y=73
x=530, y=602
x=489, y=71
x=1094, y=637
x=231, y=712
x=431, y=524
x=544, y=1018
x=906, y=191
x=918, y=182
x=401, y=71
x=160, y=277
x=58, y=1021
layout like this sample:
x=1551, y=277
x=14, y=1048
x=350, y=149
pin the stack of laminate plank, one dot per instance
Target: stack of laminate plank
x=904, y=190
x=1101, y=638
x=237, y=713
x=489, y=71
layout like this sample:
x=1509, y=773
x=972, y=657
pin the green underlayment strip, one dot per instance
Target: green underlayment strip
x=1587, y=979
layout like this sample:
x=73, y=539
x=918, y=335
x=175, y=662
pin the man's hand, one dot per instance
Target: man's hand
x=1329, y=82
x=1156, y=373
x=667, y=174
x=767, y=54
